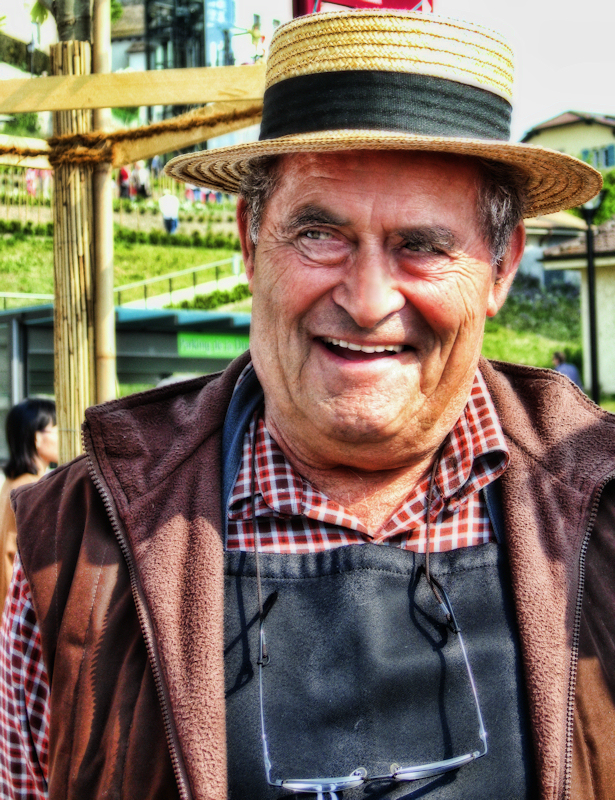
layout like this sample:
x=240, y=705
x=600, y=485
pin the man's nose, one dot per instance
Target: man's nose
x=368, y=291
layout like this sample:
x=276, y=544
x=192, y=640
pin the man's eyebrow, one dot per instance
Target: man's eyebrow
x=430, y=238
x=312, y=215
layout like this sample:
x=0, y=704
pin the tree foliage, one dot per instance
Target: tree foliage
x=26, y=124
x=607, y=208
x=73, y=17
x=117, y=9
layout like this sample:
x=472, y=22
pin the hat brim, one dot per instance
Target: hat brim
x=555, y=181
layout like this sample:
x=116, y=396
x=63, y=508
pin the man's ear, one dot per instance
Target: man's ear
x=506, y=270
x=247, y=245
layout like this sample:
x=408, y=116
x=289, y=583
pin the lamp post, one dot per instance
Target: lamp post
x=589, y=211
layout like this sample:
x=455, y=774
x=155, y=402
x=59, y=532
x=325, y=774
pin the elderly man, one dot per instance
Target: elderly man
x=361, y=562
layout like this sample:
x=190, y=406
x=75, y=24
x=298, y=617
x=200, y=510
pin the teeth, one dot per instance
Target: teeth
x=377, y=348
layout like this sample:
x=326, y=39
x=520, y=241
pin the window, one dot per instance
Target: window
x=600, y=157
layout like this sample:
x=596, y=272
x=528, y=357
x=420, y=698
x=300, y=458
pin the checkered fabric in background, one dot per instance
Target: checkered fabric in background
x=24, y=713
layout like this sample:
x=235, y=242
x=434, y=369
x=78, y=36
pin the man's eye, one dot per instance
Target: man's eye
x=317, y=236
x=423, y=247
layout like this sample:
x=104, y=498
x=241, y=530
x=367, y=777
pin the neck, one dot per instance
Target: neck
x=41, y=466
x=372, y=495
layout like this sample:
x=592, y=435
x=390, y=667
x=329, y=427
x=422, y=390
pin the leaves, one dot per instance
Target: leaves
x=117, y=9
x=39, y=13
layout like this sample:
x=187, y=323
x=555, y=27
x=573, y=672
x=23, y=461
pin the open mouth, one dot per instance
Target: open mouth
x=361, y=352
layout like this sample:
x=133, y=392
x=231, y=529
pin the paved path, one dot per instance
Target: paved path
x=162, y=300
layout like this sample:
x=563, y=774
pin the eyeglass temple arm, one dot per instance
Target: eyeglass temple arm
x=454, y=627
x=438, y=767
x=430, y=770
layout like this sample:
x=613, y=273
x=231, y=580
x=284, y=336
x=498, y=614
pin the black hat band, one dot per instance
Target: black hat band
x=391, y=101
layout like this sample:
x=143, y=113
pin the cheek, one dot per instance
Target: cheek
x=285, y=289
x=449, y=304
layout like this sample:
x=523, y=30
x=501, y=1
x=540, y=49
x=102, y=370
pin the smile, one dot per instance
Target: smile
x=364, y=348
x=351, y=351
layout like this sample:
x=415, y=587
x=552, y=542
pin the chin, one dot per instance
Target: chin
x=358, y=422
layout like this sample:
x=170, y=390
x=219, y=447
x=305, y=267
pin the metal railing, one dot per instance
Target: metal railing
x=23, y=296
x=216, y=266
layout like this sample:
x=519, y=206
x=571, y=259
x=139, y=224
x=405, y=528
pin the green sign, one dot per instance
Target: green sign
x=211, y=345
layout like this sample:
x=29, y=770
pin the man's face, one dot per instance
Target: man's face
x=371, y=283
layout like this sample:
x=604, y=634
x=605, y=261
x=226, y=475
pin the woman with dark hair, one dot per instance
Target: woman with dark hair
x=32, y=438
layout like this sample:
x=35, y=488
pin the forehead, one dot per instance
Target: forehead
x=414, y=179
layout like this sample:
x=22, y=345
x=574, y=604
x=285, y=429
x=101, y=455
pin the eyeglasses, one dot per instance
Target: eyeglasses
x=331, y=786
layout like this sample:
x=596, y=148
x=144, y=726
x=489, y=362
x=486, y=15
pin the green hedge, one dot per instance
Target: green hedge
x=221, y=297
x=129, y=236
x=208, y=239
x=15, y=226
x=15, y=52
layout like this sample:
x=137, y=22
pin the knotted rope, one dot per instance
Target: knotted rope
x=98, y=146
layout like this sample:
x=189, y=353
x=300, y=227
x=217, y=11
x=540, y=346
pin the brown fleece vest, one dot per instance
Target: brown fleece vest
x=157, y=457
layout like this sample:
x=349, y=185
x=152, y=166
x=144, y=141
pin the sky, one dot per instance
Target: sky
x=564, y=50
x=564, y=53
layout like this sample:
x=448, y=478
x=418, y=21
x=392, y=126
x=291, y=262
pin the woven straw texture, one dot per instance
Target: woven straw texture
x=372, y=40
x=397, y=42
x=554, y=181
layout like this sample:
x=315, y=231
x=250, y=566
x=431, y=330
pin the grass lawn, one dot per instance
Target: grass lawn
x=26, y=262
x=534, y=350
x=136, y=262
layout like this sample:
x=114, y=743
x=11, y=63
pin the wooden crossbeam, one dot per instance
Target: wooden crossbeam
x=143, y=143
x=24, y=142
x=129, y=151
x=194, y=86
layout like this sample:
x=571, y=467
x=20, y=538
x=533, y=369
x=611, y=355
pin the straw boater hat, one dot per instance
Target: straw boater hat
x=391, y=80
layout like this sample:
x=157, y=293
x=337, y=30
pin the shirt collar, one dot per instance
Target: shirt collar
x=474, y=454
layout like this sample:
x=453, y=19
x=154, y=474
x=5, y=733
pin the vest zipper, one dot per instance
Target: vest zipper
x=576, y=633
x=145, y=624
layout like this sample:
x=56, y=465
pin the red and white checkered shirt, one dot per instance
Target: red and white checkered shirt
x=293, y=517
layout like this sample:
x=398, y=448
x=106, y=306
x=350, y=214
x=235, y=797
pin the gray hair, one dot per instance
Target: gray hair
x=502, y=198
x=500, y=205
x=260, y=180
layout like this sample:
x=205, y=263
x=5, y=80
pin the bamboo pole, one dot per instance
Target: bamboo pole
x=20, y=197
x=104, y=313
x=72, y=208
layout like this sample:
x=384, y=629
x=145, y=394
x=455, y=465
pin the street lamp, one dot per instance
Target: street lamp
x=589, y=211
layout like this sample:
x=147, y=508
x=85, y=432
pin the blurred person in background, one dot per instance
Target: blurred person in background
x=32, y=438
x=124, y=181
x=566, y=368
x=169, y=208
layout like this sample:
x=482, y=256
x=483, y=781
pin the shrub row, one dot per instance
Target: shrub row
x=208, y=239
x=28, y=228
x=554, y=312
x=13, y=197
x=221, y=297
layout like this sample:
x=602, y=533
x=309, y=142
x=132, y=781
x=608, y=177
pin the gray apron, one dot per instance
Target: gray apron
x=363, y=670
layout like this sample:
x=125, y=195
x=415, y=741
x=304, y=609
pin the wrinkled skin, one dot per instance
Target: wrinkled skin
x=373, y=249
